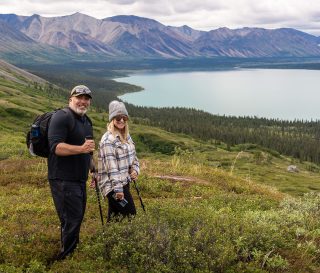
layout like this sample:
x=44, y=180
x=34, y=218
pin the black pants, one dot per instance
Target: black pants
x=70, y=201
x=116, y=210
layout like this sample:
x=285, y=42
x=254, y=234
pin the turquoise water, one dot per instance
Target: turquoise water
x=271, y=93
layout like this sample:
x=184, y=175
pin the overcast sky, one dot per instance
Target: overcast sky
x=198, y=14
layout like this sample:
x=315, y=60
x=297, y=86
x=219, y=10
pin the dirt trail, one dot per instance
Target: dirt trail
x=175, y=178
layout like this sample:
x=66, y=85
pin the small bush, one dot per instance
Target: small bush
x=156, y=144
x=18, y=113
x=177, y=239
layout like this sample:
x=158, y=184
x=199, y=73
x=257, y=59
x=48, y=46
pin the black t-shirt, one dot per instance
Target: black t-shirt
x=64, y=128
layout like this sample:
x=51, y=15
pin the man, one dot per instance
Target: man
x=70, y=140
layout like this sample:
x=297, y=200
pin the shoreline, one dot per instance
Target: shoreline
x=169, y=73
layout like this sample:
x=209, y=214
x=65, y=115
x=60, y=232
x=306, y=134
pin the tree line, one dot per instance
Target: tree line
x=297, y=138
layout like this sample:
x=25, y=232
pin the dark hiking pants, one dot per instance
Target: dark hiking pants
x=70, y=201
x=116, y=210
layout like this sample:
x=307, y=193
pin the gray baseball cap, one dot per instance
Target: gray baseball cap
x=80, y=90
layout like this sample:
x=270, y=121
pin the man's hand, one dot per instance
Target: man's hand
x=88, y=146
x=93, y=183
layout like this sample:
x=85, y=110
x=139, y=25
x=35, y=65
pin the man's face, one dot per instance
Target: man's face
x=80, y=104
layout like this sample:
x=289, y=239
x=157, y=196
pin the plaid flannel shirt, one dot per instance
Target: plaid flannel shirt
x=114, y=161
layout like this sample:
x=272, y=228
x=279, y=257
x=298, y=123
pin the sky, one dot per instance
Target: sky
x=205, y=15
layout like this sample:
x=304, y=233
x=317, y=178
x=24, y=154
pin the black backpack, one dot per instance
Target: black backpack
x=37, y=137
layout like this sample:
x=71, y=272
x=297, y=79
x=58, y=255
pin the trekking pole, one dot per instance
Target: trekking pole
x=138, y=192
x=94, y=180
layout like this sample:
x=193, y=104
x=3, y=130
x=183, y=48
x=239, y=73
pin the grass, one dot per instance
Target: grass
x=214, y=223
x=237, y=210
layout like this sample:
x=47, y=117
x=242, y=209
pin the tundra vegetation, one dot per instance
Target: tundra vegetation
x=211, y=206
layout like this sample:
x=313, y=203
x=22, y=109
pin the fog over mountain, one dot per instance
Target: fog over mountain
x=142, y=37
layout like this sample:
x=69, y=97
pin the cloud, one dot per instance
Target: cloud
x=203, y=15
x=121, y=2
x=190, y=6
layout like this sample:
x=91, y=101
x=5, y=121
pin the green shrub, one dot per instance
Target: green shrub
x=4, y=268
x=155, y=143
x=201, y=239
x=18, y=113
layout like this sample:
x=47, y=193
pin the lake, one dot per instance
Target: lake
x=272, y=93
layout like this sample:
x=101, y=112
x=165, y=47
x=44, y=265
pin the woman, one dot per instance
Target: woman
x=117, y=163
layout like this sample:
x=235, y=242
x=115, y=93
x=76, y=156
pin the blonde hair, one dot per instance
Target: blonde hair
x=115, y=131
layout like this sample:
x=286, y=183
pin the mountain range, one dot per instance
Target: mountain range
x=122, y=36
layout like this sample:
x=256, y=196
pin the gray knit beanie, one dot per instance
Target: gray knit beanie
x=117, y=108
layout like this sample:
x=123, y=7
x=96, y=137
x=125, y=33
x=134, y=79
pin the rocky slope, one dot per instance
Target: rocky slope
x=143, y=37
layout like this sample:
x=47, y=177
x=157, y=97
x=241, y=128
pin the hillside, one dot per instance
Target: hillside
x=133, y=36
x=15, y=74
x=208, y=209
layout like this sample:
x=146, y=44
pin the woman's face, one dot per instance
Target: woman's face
x=120, y=122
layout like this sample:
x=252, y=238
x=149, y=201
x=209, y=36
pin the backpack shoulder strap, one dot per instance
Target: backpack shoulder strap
x=69, y=112
x=89, y=120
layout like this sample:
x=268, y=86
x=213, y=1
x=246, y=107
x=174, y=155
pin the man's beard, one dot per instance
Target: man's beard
x=80, y=111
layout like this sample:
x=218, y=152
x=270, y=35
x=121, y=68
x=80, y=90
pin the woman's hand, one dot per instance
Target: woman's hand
x=119, y=195
x=133, y=175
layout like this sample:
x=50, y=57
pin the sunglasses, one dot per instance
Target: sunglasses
x=119, y=118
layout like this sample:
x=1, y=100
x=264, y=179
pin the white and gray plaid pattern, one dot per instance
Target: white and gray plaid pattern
x=114, y=160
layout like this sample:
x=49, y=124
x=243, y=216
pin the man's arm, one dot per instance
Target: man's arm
x=64, y=149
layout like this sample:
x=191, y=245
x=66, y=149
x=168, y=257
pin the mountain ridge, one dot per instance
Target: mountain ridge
x=130, y=35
